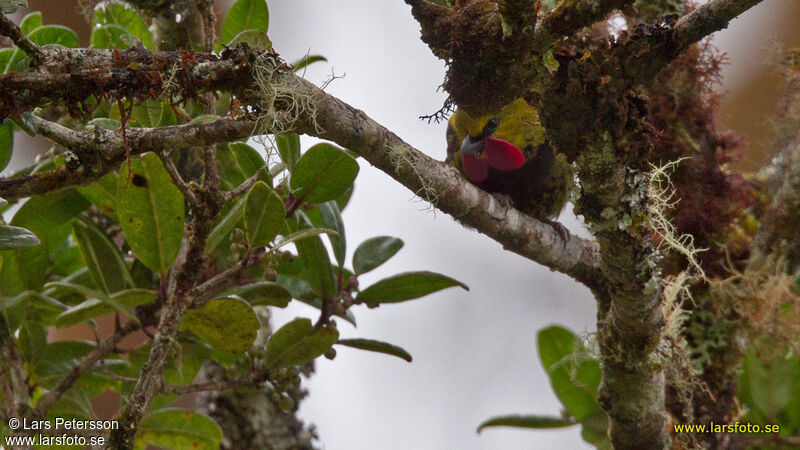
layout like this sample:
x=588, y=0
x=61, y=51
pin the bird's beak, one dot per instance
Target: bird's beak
x=471, y=146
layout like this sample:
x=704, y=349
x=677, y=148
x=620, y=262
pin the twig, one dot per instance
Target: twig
x=177, y=180
x=221, y=281
x=242, y=188
x=709, y=18
x=213, y=385
x=10, y=29
x=85, y=364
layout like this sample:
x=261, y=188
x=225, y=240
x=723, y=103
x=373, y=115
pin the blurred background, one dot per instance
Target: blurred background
x=474, y=352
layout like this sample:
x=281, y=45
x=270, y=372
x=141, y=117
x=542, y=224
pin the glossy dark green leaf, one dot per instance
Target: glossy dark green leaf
x=16, y=237
x=175, y=428
x=103, y=194
x=297, y=343
x=6, y=143
x=108, y=36
x=576, y=388
x=30, y=22
x=151, y=212
x=263, y=293
x=110, y=301
x=244, y=15
x=119, y=13
x=102, y=257
x=238, y=162
x=228, y=324
x=406, y=286
x=532, y=421
x=375, y=251
x=288, y=149
x=377, y=346
x=94, y=307
x=323, y=173
x=314, y=259
x=264, y=215
x=228, y=223
x=332, y=219
x=306, y=61
x=54, y=34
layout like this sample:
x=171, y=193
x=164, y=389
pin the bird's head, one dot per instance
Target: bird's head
x=484, y=150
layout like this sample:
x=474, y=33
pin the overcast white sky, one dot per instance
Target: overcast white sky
x=474, y=352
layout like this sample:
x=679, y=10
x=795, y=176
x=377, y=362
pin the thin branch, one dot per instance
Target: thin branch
x=85, y=364
x=10, y=29
x=569, y=17
x=14, y=385
x=709, y=18
x=202, y=293
x=177, y=180
x=242, y=188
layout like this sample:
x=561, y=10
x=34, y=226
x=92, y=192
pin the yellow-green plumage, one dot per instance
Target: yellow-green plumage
x=540, y=187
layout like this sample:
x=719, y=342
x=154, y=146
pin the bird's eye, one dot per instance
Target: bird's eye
x=491, y=125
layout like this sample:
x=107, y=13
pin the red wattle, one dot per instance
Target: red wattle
x=476, y=169
x=502, y=155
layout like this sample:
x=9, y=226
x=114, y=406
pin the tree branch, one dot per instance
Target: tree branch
x=10, y=29
x=709, y=18
x=85, y=364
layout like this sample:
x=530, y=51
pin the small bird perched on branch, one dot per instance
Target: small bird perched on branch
x=506, y=153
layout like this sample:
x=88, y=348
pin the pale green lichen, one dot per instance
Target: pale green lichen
x=404, y=159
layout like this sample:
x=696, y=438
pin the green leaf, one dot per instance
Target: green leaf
x=175, y=428
x=94, y=307
x=149, y=113
x=151, y=212
x=767, y=386
x=253, y=38
x=313, y=257
x=32, y=340
x=103, y=193
x=16, y=237
x=239, y=162
x=323, y=173
x=575, y=387
x=263, y=293
x=225, y=226
x=594, y=429
x=332, y=218
x=297, y=343
x=406, y=286
x=375, y=251
x=118, y=13
x=306, y=61
x=6, y=143
x=228, y=324
x=102, y=258
x=12, y=60
x=54, y=34
x=531, y=421
x=108, y=36
x=376, y=346
x=300, y=235
x=30, y=22
x=288, y=149
x=111, y=301
x=264, y=215
x=244, y=15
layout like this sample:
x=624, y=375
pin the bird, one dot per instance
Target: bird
x=507, y=154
